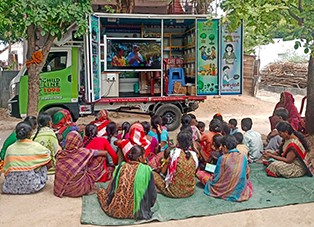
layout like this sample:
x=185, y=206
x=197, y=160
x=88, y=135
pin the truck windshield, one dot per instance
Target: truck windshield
x=55, y=61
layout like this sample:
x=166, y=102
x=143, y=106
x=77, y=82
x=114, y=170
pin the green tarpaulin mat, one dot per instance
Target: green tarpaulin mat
x=268, y=192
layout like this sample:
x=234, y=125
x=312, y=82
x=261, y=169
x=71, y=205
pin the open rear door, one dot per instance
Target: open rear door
x=93, y=70
x=207, y=56
x=231, y=61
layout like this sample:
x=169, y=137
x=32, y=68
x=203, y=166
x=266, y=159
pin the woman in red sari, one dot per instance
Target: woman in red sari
x=101, y=121
x=91, y=141
x=294, y=117
x=77, y=168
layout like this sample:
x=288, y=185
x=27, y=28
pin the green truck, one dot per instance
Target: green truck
x=151, y=64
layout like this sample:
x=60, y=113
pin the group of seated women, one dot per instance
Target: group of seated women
x=138, y=162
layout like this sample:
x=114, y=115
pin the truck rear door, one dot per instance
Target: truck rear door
x=93, y=69
x=207, y=56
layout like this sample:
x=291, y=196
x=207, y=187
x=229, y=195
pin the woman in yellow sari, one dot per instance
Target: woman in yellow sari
x=25, y=163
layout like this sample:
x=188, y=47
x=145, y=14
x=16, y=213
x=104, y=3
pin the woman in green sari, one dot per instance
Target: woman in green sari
x=131, y=193
x=30, y=120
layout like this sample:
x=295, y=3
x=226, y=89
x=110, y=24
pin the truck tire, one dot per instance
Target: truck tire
x=51, y=111
x=173, y=114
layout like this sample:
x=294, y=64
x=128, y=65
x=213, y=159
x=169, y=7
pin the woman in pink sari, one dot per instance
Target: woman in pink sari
x=294, y=118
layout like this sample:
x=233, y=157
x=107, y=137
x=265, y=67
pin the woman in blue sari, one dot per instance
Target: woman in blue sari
x=231, y=177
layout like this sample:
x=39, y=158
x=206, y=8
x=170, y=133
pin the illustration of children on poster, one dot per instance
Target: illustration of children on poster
x=231, y=68
x=207, y=60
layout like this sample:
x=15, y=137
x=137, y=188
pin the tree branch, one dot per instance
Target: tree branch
x=1, y=51
x=294, y=16
x=31, y=38
x=46, y=48
x=300, y=6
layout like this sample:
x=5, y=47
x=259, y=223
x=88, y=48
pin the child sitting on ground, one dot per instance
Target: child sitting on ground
x=216, y=146
x=252, y=139
x=201, y=127
x=233, y=126
x=242, y=148
x=125, y=128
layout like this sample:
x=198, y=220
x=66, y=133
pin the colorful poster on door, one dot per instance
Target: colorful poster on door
x=207, y=57
x=95, y=59
x=231, y=62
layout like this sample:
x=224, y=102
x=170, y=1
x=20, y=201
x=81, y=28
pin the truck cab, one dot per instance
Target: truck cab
x=58, y=84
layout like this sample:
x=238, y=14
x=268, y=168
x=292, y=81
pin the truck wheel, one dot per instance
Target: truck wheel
x=172, y=113
x=51, y=111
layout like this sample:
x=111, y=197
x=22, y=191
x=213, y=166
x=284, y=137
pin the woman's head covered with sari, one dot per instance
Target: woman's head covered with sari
x=102, y=115
x=294, y=118
x=137, y=137
x=73, y=141
x=62, y=118
x=62, y=123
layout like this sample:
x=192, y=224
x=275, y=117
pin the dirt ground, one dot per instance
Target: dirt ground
x=44, y=209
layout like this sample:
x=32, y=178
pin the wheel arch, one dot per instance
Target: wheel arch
x=73, y=108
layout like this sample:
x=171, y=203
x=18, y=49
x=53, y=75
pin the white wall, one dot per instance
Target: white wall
x=274, y=51
x=17, y=47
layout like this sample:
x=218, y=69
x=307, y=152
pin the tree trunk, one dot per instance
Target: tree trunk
x=33, y=89
x=35, y=69
x=309, y=113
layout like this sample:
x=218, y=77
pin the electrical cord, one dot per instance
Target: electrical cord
x=110, y=86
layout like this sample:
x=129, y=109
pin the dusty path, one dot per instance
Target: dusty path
x=44, y=209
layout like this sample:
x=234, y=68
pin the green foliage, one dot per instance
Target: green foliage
x=265, y=19
x=10, y=30
x=49, y=17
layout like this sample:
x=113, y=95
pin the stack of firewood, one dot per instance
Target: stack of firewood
x=285, y=74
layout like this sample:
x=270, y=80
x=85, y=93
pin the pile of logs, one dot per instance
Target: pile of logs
x=285, y=74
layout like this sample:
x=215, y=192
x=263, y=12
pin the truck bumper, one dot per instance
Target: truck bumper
x=13, y=106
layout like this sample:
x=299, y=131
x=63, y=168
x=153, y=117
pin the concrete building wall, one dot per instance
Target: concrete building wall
x=5, y=78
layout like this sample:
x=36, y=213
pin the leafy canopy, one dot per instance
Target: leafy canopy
x=264, y=19
x=49, y=16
